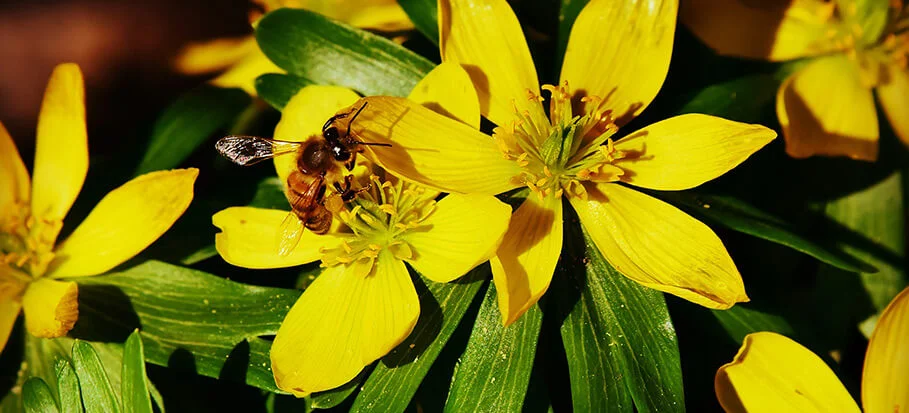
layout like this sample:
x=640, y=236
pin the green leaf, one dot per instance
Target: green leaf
x=37, y=397
x=277, y=89
x=619, y=340
x=97, y=392
x=68, y=387
x=741, y=320
x=190, y=320
x=568, y=13
x=424, y=14
x=334, y=397
x=270, y=194
x=742, y=217
x=188, y=123
x=312, y=46
x=495, y=368
x=878, y=213
x=396, y=378
x=134, y=383
x=744, y=99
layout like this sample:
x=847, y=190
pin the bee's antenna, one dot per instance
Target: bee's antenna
x=349, y=124
x=372, y=144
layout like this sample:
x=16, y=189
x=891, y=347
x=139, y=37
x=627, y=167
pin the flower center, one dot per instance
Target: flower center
x=558, y=154
x=26, y=243
x=378, y=218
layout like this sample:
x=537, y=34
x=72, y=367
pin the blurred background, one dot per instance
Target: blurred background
x=125, y=50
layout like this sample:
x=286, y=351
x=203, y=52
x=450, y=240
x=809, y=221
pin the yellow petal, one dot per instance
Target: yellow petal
x=432, y=149
x=894, y=97
x=9, y=312
x=772, y=373
x=249, y=238
x=213, y=55
x=825, y=110
x=11, y=286
x=243, y=74
x=384, y=15
x=485, y=38
x=685, y=151
x=462, y=232
x=14, y=181
x=523, y=266
x=660, y=247
x=774, y=31
x=303, y=117
x=51, y=307
x=345, y=320
x=61, y=152
x=885, y=379
x=619, y=51
x=447, y=90
x=125, y=222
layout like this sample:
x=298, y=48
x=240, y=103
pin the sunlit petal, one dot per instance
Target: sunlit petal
x=523, y=266
x=51, y=307
x=485, y=37
x=432, y=149
x=659, y=246
x=345, y=320
x=685, y=151
x=447, y=90
x=125, y=222
x=619, y=51
x=885, y=378
x=303, y=117
x=14, y=180
x=213, y=55
x=773, y=30
x=819, y=119
x=249, y=238
x=894, y=97
x=772, y=373
x=244, y=72
x=462, y=232
x=61, y=152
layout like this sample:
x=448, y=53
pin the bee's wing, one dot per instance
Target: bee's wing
x=289, y=234
x=249, y=150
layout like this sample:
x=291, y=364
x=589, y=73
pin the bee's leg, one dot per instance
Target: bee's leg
x=345, y=191
x=350, y=163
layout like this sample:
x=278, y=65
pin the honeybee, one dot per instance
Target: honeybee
x=318, y=162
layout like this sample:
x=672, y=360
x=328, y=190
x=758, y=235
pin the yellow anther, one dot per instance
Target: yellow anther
x=346, y=246
x=546, y=170
x=388, y=209
x=541, y=181
x=559, y=193
x=375, y=247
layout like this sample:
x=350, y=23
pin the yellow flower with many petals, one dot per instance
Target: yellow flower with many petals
x=772, y=373
x=855, y=46
x=607, y=79
x=364, y=302
x=35, y=275
x=241, y=61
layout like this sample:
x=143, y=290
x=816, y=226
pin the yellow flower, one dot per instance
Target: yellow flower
x=241, y=61
x=364, y=303
x=34, y=273
x=606, y=80
x=826, y=107
x=772, y=373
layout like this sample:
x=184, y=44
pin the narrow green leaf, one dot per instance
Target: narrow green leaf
x=397, y=376
x=277, y=89
x=568, y=13
x=619, y=340
x=97, y=392
x=190, y=320
x=314, y=47
x=134, y=383
x=425, y=15
x=37, y=397
x=188, y=123
x=740, y=320
x=495, y=368
x=68, y=387
x=742, y=217
x=332, y=398
x=744, y=99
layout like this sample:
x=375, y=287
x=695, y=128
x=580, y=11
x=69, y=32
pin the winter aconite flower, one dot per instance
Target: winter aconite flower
x=364, y=302
x=855, y=47
x=616, y=61
x=772, y=373
x=35, y=274
x=240, y=60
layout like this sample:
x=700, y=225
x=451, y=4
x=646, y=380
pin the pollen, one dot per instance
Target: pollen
x=26, y=242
